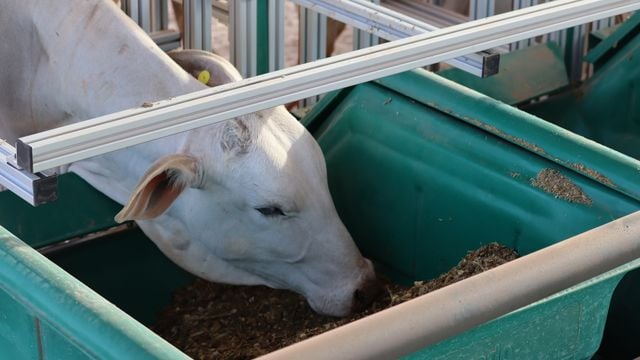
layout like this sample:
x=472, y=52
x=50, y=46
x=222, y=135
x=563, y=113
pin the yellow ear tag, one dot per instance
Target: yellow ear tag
x=204, y=77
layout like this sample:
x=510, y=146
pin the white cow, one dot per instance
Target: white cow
x=244, y=202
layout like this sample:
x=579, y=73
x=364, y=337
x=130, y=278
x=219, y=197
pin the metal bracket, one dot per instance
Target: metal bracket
x=392, y=25
x=36, y=189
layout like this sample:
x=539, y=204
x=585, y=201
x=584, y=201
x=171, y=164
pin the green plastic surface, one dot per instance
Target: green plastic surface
x=79, y=210
x=616, y=38
x=53, y=315
x=606, y=109
x=262, y=35
x=444, y=179
x=567, y=325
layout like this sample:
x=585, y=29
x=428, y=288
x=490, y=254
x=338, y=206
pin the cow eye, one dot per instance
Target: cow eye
x=270, y=211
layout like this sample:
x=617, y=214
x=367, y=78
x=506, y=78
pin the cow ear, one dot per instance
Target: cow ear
x=236, y=137
x=160, y=186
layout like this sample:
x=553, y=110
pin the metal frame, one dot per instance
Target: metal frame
x=427, y=12
x=519, y=4
x=153, y=17
x=479, y=9
x=159, y=15
x=243, y=36
x=111, y=132
x=197, y=24
x=363, y=39
x=276, y=34
x=166, y=39
x=139, y=11
x=312, y=42
x=392, y=25
x=36, y=189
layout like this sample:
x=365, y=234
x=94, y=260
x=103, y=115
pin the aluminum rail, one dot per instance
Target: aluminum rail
x=459, y=307
x=431, y=13
x=197, y=24
x=35, y=189
x=392, y=25
x=100, y=135
x=166, y=39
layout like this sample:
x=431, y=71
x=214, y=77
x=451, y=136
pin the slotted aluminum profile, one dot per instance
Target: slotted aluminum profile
x=392, y=25
x=197, y=24
x=36, y=189
x=116, y=131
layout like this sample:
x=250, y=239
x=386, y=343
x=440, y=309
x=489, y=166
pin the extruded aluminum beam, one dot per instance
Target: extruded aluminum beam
x=139, y=11
x=363, y=39
x=313, y=42
x=111, y=132
x=197, y=21
x=243, y=33
x=430, y=13
x=276, y=34
x=392, y=25
x=166, y=39
x=35, y=189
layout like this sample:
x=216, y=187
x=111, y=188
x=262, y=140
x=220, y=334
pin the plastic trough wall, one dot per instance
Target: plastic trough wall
x=422, y=170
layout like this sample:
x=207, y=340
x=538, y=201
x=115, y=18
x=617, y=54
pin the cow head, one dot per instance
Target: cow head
x=247, y=202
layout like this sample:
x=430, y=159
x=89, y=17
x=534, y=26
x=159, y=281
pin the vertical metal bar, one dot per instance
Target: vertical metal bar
x=276, y=34
x=242, y=36
x=574, y=52
x=130, y=7
x=164, y=14
x=197, y=24
x=207, y=43
x=188, y=30
x=156, y=15
x=144, y=15
x=159, y=15
x=479, y=9
x=313, y=42
x=362, y=39
x=519, y=4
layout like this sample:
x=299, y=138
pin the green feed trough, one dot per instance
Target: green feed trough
x=422, y=170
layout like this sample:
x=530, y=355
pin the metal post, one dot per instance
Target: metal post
x=391, y=25
x=313, y=42
x=276, y=34
x=144, y=15
x=159, y=15
x=197, y=24
x=574, y=52
x=139, y=11
x=479, y=9
x=519, y=4
x=243, y=36
x=364, y=39
x=36, y=189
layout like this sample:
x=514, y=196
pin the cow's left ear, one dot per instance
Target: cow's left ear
x=160, y=186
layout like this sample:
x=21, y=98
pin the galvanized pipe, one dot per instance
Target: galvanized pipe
x=456, y=308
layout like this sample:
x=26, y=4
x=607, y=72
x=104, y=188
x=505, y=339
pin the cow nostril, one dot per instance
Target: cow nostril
x=365, y=295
